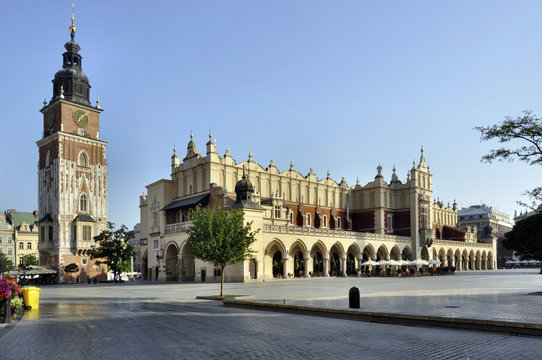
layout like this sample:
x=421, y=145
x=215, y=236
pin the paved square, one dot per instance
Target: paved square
x=140, y=320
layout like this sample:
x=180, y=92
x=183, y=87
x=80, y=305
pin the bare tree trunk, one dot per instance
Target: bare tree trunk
x=221, y=281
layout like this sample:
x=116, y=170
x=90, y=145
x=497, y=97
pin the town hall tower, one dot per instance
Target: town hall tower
x=72, y=171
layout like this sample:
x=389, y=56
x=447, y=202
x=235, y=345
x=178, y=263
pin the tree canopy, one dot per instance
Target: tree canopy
x=5, y=264
x=27, y=262
x=526, y=129
x=524, y=135
x=112, y=248
x=219, y=237
x=526, y=238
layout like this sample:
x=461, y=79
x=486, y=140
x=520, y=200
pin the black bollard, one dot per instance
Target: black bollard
x=353, y=298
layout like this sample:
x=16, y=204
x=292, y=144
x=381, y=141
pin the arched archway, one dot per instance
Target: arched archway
x=188, y=269
x=424, y=253
x=382, y=253
x=368, y=253
x=317, y=264
x=350, y=264
x=299, y=264
x=406, y=254
x=171, y=262
x=395, y=254
x=335, y=262
x=352, y=254
x=278, y=267
x=273, y=262
x=145, y=266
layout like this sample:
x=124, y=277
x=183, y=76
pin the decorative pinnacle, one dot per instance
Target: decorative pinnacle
x=44, y=101
x=210, y=134
x=62, y=91
x=72, y=27
x=98, y=103
x=191, y=135
x=174, y=149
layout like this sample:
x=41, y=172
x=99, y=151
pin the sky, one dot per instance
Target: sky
x=331, y=85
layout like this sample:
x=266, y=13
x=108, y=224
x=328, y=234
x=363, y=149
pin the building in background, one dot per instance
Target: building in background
x=72, y=172
x=6, y=238
x=24, y=235
x=136, y=262
x=308, y=226
x=482, y=218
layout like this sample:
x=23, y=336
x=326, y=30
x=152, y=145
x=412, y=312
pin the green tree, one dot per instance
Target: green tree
x=6, y=264
x=219, y=237
x=26, y=264
x=113, y=249
x=71, y=268
x=526, y=238
x=523, y=134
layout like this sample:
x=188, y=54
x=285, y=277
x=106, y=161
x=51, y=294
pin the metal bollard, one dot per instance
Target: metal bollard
x=353, y=298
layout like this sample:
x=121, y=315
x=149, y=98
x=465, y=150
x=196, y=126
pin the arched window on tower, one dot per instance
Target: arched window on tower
x=83, y=203
x=83, y=159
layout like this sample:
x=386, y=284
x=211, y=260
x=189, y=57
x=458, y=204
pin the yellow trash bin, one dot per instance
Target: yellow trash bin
x=31, y=295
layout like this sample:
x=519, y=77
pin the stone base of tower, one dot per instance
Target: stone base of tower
x=88, y=269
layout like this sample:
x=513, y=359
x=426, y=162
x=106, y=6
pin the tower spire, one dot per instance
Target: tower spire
x=72, y=27
x=71, y=77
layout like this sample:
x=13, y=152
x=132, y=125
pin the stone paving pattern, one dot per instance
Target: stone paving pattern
x=141, y=320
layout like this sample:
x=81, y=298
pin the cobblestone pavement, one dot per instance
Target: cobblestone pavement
x=163, y=321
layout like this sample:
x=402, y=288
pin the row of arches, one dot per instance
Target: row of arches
x=300, y=260
x=465, y=260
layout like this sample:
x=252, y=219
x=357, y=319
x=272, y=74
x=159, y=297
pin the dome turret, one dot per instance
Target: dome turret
x=70, y=81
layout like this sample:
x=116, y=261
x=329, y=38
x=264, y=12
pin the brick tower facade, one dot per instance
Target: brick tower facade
x=72, y=172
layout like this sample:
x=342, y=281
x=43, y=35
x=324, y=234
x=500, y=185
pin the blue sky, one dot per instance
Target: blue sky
x=334, y=85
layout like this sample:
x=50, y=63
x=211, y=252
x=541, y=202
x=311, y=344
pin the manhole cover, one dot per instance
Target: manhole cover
x=451, y=306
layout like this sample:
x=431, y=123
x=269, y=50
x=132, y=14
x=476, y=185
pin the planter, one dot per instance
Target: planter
x=5, y=311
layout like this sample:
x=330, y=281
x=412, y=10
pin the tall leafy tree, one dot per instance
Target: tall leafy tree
x=523, y=137
x=26, y=264
x=5, y=264
x=526, y=238
x=112, y=249
x=219, y=237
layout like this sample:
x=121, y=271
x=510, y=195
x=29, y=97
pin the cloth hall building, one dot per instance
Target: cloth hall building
x=308, y=226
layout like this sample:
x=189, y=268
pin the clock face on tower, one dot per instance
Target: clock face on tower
x=80, y=117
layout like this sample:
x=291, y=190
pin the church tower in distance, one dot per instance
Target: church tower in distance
x=72, y=172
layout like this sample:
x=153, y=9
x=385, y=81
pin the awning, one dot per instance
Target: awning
x=36, y=270
x=184, y=203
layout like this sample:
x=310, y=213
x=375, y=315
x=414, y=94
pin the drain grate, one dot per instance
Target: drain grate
x=451, y=306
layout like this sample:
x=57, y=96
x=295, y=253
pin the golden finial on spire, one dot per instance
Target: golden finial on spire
x=72, y=26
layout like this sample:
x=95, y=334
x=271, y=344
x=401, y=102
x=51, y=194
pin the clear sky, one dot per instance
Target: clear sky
x=334, y=85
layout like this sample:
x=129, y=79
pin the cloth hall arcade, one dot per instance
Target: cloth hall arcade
x=308, y=226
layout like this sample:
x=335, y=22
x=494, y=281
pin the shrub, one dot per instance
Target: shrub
x=17, y=306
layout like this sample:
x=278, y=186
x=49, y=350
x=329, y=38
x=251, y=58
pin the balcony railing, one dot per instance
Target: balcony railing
x=178, y=227
x=305, y=230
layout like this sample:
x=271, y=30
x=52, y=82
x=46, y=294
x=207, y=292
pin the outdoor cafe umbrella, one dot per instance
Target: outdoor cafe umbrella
x=434, y=262
x=370, y=262
x=419, y=262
